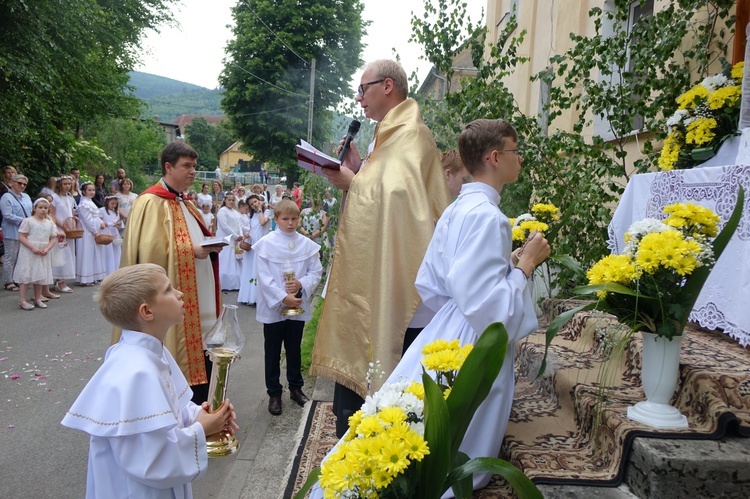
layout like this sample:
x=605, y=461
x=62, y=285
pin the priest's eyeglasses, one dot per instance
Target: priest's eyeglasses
x=363, y=87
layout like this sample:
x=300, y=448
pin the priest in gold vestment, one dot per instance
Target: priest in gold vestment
x=165, y=230
x=387, y=219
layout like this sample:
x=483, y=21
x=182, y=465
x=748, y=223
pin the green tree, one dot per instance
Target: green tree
x=131, y=144
x=614, y=75
x=267, y=72
x=63, y=65
x=209, y=141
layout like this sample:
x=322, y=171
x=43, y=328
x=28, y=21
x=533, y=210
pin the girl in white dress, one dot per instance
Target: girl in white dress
x=64, y=206
x=110, y=214
x=125, y=198
x=37, y=235
x=259, y=220
x=228, y=223
x=90, y=267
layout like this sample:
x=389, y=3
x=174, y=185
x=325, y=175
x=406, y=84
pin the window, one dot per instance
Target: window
x=637, y=11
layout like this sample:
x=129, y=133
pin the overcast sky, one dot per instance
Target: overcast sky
x=194, y=51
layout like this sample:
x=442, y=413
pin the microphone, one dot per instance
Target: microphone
x=350, y=134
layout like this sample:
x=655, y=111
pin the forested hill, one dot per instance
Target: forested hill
x=168, y=98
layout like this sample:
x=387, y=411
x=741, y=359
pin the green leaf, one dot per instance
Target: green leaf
x=462, y=488
x=522, y=485
x=437, y=423
x=475, y=379
x=696, y=280
x=554, y=327
x=609, y=287
x=314, y=475
x=569, y=263
x=702, y=153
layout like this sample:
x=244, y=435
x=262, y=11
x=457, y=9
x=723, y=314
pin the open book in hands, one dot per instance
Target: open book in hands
x=218, y=241
x=312, y=159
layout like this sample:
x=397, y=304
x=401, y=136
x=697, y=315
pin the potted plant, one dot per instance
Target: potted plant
x=651, y=288
x=404, y=441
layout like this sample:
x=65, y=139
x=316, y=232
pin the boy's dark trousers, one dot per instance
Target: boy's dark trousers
x=288, y=333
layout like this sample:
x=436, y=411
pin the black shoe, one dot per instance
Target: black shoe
x=299, y=397
x=274, y=404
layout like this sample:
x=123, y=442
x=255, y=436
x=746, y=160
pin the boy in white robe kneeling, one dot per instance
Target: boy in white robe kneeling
x=281, y=252
x=147, y=438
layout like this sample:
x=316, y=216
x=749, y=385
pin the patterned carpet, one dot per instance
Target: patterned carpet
x=560, y=430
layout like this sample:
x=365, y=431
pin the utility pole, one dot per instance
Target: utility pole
x=310, y=101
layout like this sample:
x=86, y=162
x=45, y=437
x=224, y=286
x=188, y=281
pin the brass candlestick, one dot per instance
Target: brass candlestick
x=289, y=311
x=223, y=344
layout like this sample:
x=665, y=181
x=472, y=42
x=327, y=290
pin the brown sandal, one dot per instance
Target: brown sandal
x=11, y=286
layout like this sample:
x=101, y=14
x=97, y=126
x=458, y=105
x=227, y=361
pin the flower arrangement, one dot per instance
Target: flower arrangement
x=541, y=217
x=706, y=115
x=658, y=261
x=403, y=442
x=653, y=285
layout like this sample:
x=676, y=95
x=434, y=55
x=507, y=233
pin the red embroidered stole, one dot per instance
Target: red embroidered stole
x=186, y=282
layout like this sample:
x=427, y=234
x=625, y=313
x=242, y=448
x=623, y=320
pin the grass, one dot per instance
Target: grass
x=308, y=336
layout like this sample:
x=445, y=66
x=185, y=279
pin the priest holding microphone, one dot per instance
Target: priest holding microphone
x=394, y=196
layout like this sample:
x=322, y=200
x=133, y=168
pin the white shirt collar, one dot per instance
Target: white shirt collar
x=486, y=189
x=142, y=340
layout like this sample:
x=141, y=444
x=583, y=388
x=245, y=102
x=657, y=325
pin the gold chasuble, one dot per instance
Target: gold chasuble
x=157, y=232
x=385, y=227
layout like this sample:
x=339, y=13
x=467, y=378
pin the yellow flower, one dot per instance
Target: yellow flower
x=443, y=356
x=447, y=392
x=738, y=70
x=692, y=218
x=531, y=225
x=370, y=425
x=392, y=415
x=416, y=446
x=612, y=268
x=439, y=345
x=700, y=131
x=670, y=152
x=724, y=97
x=546, y=210
x=393, y=457
x=416, y=389
x=689, y=99
x=512, y=221
x=518, y=234
x=685, y=265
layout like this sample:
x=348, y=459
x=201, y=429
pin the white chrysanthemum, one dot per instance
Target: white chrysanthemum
x=523, y=218
x=677, y=117
x=714, y=82
x=417, y=427
x=639, y=229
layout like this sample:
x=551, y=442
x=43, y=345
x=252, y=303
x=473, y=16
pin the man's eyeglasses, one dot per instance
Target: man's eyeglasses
x=518, y=150
x=363, y=87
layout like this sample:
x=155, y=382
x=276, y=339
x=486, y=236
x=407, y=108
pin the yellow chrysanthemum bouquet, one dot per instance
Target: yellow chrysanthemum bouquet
x=706, y=115
x=541, y=217
x=403, y=442
x=653, y=285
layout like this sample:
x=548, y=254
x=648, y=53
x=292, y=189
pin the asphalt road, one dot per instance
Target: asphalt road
x=46, y=358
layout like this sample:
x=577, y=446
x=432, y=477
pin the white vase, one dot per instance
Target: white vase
x=659, y=375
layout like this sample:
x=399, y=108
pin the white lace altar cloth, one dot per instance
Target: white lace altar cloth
x=724, y=302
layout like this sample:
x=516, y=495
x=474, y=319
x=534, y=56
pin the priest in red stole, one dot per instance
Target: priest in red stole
x=165, y=230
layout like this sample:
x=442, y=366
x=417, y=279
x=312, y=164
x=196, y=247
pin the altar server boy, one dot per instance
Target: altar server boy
x=281, y=252
x=470, y=280
x=147, y=438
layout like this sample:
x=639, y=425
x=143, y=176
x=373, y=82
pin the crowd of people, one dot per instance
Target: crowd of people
x=71, y=232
